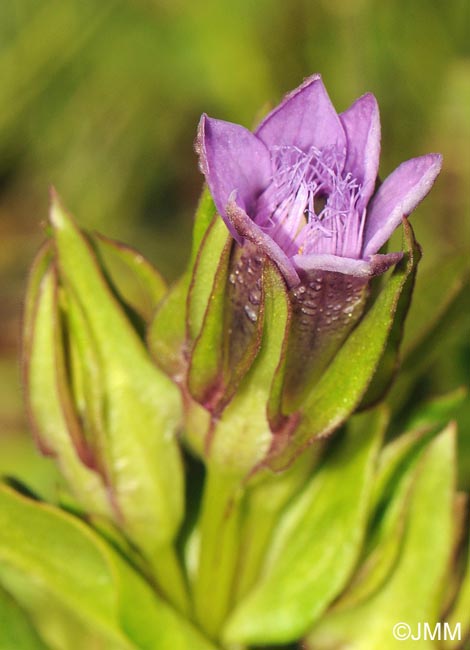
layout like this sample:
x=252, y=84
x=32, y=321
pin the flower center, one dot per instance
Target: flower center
x=310, y=206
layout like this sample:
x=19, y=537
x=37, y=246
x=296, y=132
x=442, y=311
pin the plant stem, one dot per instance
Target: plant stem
x=256, y=536
x=218, y=551
x=170, y=578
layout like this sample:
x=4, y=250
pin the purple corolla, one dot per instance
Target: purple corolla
x=302, y=186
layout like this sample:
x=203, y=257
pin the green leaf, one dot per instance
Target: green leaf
x=389, y=502
x=167, y=331
x=16, y=629
x=141, y=406
x=135, y=281
x=413, y=592
x=310, y=561
x=345, y=381
x=439, y=313
x=461, y=608
x=437, y=411
x=437, y=288
x=71, y=562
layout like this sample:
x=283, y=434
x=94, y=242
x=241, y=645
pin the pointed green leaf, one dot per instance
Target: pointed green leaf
x=461, y=608
x=167, y=331
x=439, y=313
x=389, y=503
x=436, y=290
x=71, y=562
x=136, y=282
x=343, y=384
x=310, y=560
x=413, y=592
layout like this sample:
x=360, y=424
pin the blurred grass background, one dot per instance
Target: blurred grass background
x=102, y=100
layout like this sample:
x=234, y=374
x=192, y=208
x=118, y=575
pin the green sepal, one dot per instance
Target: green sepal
x=343, y=384
x=389, y=361
x=211, y=262
x=141, y=406
x=412, y=592
x=205, y=315
x=167, y=331
x=68, y=560
x=309, y=562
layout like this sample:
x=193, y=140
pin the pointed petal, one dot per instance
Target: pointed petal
x=376, y=264
x=247, y=229
x=305, y=118
x=399, y=195
x=361, y=123
x=232, y=160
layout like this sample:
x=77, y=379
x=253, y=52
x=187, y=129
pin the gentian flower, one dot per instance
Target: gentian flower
x=301, y=187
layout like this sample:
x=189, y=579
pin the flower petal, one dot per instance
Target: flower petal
x=232, y=160
x=376, y=264
x=399, y=195
x=247, y=229
x=361, y=122
x=305, y=118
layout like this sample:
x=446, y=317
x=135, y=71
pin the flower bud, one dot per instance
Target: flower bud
x=97, y=402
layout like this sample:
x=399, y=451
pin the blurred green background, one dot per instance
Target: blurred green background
x=101, y=98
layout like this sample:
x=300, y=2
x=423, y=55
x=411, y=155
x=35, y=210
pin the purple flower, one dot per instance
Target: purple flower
x=301, y=187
